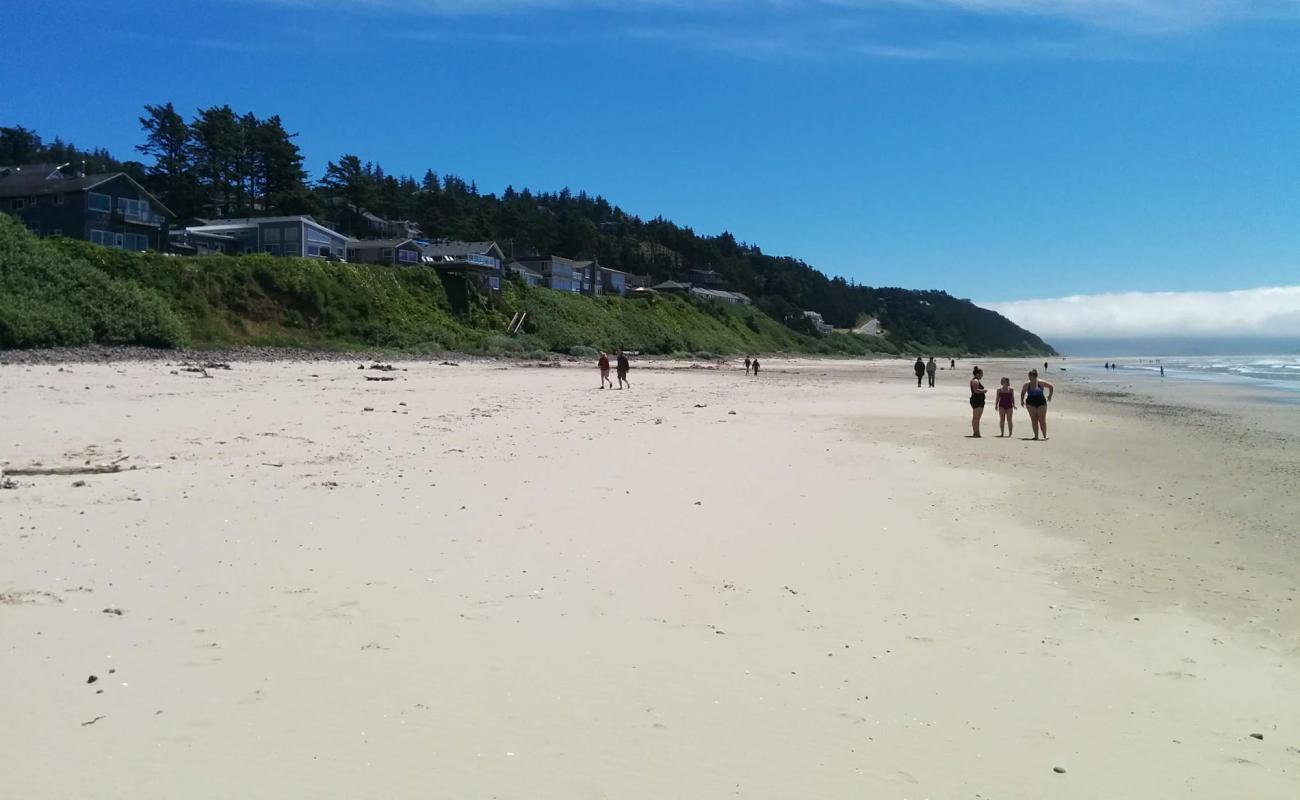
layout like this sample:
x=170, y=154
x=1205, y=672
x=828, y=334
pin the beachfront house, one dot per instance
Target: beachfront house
x=481, y=263
x=704, y=278
x=529, y=276
x=610, y=281
x=278, y=236
x=672, y=287
x=561, y=274
x=109, y=208
x=385, y=251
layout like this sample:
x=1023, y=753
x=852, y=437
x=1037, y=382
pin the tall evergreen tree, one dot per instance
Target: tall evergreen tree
x=170, y=143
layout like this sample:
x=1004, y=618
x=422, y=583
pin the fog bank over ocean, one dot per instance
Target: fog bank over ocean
x=1174, y=346
x=1241, y=322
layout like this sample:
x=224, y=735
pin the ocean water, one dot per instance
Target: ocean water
x=1276, y=372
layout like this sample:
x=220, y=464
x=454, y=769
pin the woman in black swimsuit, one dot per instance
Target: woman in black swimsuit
x=977, y=392
x=1034, y=396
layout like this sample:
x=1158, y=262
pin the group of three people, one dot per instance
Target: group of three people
x=1035, y=394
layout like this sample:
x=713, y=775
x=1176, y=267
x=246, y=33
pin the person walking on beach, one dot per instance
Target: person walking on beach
x=1162, y=370
x=977, y=392
x=1035, y=400
x=952, y=363
x=746, y=365
x=623, y=367
x=755, y=366
x=1006, y=408
x=603, y=363
x=930, y=369
x=919, y=369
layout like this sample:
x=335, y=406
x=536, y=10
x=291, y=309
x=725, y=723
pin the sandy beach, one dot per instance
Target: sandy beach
x=493, y=580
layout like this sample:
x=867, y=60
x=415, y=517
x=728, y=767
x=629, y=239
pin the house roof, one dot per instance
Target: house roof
x=246, y=222
x=443, y=247
x=30, y=179
x=671, y=285
x=377, y=244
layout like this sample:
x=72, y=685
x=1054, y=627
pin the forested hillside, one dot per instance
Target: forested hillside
x=224, y=163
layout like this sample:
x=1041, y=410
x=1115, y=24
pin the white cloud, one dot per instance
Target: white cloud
x=1268, y=312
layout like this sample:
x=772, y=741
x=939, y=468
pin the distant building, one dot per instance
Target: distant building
x=529, y=276
x=109, y=208
x=672, y=287
x=611, y=281
x=300, y=236
x=385, y=251
x=372, y=226
x=817, y=322
x=483, y=263
x=869, y=328
x=561, y=274
x=704, y=278
x=719, y=295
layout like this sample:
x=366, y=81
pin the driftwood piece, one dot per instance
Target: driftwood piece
x=108, y=468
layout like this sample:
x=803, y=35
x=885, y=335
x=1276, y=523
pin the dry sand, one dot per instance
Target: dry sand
x=501, y=582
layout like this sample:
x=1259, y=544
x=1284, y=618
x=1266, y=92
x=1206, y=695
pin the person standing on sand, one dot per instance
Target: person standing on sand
x=952, y=363
x=746, y=365
x=604, y=371
x=1006, y=408
x=1035, y=400
x=930, y=369
x=919, y=369
x=977, y=392
x=623, y=367
x=755, y=366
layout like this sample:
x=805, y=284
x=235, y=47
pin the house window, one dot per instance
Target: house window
x=99, y=202
x=408, y=256
x=135, y=209
x=135, y=241
x=270, y=234
x=324, y=252
x=387, y=255
x=17, y=204
x=106, y=238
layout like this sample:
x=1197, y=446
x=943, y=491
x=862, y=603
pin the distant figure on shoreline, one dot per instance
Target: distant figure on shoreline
x=952, y=363
x=919, y=369
x=1035, y=401
x=1006, y=408
x=746, y=365
x=603, y=363
x=930, y=369
x=1162, y=370
x=755, y=366
x=977, y=392
x=623, y=367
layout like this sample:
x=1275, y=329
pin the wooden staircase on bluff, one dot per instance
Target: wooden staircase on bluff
x=517, y=322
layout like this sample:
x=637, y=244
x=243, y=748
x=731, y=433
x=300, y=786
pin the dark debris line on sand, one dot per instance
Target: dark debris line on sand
x=219, y=359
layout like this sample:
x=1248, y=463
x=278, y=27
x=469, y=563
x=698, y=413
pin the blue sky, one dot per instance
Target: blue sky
x=999, y=149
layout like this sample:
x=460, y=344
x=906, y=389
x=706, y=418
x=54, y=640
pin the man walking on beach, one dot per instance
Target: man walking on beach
x=746, y=365
x=919, y=369
x=930, y=369
x=623, y=367
x=604, y=371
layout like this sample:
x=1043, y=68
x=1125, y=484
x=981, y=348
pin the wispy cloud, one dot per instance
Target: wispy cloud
x=1273, y=311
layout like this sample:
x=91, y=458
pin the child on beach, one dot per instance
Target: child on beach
x=1006, y=408
x=604, y=371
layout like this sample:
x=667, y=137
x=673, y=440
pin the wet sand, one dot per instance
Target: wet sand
x=495, y=580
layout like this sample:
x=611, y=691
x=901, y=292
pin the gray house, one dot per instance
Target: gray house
x=385, y=251
x=109, y=208
x=530, y=277
x=279, y=236
x=482, y=263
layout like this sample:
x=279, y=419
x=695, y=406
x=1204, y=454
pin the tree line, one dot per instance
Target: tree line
x=222, y=163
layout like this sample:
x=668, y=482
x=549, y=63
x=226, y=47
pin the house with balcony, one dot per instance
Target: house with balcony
x=370, y=225
x=529, y=276
x=481, y=263
x=561, y=274
x=403, y=252
x=299, y=236
x=109, y=208
x=611, y=281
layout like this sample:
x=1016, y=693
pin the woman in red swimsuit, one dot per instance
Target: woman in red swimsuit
x=1006, y=407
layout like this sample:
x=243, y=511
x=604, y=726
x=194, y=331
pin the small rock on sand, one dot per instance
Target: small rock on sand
x=1259, y=736
x=1059, y=770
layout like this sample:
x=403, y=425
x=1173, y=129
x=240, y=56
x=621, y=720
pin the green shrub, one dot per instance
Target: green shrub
x=580, y=351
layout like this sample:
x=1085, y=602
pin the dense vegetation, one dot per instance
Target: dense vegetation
x=64, y=292
x=223, y=163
